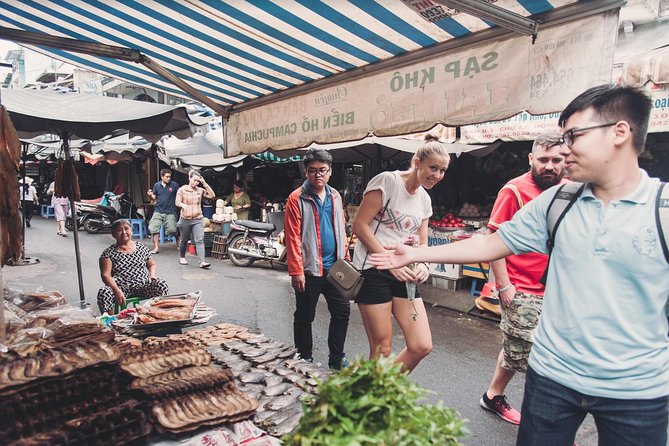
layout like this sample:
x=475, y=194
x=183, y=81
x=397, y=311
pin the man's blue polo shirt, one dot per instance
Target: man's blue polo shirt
x=603, y=330
x=328, y=243
x=166, y=195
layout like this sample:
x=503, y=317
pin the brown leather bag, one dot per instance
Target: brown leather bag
x=344, y=276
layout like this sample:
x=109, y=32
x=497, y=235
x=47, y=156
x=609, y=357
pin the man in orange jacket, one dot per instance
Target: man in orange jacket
x=315, y=238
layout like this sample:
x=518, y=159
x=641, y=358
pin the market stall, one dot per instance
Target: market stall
x=114, y=382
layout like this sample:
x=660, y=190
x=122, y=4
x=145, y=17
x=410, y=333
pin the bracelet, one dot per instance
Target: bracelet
x=504, y=288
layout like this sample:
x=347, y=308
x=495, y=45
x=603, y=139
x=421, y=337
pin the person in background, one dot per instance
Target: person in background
x=189, y=199
x=127, y=270
x=315, y=238
x=61, y=208
x=28, y=199
x=601, y=346
x=518, y=277
x=239, y=200
x=396, y=206
x=164, y=193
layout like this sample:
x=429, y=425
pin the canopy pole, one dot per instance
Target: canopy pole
x=65, y=136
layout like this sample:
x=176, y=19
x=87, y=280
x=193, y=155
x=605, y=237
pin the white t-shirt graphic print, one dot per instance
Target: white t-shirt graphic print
x=403, y=217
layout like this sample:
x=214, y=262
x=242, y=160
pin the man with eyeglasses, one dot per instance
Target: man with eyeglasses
x=315, y=238
x=601, y=346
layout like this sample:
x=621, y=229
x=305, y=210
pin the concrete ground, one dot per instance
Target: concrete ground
x=259, y=297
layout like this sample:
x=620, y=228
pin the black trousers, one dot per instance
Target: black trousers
x=29, y=207
x=305, y=312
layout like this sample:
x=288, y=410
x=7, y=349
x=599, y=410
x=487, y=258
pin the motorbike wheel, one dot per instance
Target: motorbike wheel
x=68, y=224
x=240, y=243
x=91, y=227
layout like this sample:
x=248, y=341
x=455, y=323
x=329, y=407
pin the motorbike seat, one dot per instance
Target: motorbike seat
x=108, y=209
x=91, y=201
x=256, y=225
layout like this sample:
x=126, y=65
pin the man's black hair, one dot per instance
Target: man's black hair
x=319, y=155
x=164, y=171
x=612, y=104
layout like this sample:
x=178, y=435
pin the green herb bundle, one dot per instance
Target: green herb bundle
x=373, y=403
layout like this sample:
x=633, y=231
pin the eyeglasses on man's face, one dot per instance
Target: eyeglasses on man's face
x=322, y=171
x=569, y=136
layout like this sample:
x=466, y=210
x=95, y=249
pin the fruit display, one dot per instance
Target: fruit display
x=449, y=221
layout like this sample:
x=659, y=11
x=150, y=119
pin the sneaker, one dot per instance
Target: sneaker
x=501, y=407
x=183, y=261
x=205, y=265
x=342, y=364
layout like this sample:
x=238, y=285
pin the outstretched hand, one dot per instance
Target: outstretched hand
x=393, y=258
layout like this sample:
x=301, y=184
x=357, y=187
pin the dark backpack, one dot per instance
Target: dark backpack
x=565, y=198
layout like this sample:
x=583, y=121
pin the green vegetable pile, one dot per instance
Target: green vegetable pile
x=373, y=403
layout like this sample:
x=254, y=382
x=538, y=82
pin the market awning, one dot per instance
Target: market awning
x=294, y=72
x=200, y=150
x=377, y=149
x=271, y=158
x=94, y=117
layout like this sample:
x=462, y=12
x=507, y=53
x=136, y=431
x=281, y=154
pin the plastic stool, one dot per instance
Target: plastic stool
x=128, y=300
x=162, y=237
x=138, y=226
x=47, y=211
x=473, y=291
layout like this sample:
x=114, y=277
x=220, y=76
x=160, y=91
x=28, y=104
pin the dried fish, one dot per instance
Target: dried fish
x=251, y=377
x=287, y=426
x=282, y=415
x=281, y=402
x=273, y=380
x=276, y=389
x=295, y=377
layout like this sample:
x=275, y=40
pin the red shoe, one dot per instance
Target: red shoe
x=501, y=407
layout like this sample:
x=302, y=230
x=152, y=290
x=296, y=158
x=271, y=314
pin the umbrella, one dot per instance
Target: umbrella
x=92, y=117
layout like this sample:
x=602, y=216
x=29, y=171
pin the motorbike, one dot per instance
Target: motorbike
x=249, y=241
x=101, y=217
x=84, y=207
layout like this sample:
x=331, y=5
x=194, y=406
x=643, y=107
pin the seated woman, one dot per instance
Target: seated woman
x=127, y=269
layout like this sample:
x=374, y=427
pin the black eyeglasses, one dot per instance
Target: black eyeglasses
x=322, y=171
x=569, y=136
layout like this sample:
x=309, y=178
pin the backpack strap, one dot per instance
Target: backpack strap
x=564, y=199
x=662, y=218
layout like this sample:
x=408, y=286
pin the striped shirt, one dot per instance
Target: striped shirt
x=190, y=202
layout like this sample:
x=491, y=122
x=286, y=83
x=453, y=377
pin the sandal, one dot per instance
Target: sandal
x=155, y=251
x=183, y=261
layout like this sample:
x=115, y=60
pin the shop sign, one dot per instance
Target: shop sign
x=522, y=127
x=485, y=83
x=659, y=114
x=525, y=127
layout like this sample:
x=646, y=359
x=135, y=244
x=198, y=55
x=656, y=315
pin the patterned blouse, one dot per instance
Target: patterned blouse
x=128, y=270
x=190, y=202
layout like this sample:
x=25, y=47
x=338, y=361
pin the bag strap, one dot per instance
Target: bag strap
x=564, y=199
x=377, y=228
x=662, y=218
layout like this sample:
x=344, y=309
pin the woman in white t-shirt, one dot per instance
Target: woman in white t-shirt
x=398, y=204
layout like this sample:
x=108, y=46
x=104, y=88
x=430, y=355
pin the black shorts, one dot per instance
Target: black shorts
x=380, y=287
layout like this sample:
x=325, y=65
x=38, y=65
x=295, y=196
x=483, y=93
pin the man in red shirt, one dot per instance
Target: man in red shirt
x=518, y=277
